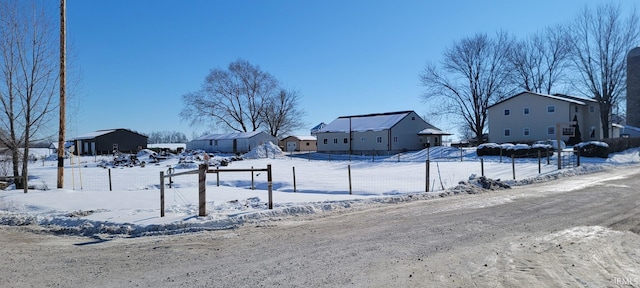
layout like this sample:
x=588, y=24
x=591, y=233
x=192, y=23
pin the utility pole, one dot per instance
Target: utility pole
x=63, y=68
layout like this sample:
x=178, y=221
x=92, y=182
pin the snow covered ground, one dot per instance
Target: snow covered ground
x=101, y=198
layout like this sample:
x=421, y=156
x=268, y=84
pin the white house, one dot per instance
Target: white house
x=373, y=133
x=530, y=116
x=231, y=142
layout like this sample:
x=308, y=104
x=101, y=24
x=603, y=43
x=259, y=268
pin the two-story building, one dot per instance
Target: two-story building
x=530, y=116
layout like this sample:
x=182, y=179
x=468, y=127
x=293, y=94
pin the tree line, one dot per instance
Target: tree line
x=158, y=137
x=586, y=56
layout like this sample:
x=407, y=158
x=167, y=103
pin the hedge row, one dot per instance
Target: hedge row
x=621, y=144
x=517, y=151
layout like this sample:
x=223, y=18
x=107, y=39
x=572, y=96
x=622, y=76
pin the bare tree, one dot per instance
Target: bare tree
x=601, y=40
x=540, y=61
x=28, y=75
x=281, y=113
x=475, y=73
x=233, y=98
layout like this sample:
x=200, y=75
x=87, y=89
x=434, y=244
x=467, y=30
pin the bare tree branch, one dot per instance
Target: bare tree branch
x=474, y=75
x=539, y=62
x=243, y=98
x=28, y=75
x=601, y=40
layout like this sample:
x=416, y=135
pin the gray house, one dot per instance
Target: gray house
x=382, y=133
x=530, y=116
x=108, y=141
x=231, y=142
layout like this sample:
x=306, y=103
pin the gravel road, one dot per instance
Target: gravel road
x=531, y=236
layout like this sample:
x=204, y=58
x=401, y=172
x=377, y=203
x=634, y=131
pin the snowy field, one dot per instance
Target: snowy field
x=101, y=198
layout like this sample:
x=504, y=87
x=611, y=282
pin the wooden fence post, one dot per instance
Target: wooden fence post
x=202, y=190
x=294, y=179
x=110, y=187
x=270, y=186
x=349, y=172
x=427, y=176
x=513, y=166
x=559, y=158
x=539, y=160
x=482, y=166
x=161, y=193
x=252, y=180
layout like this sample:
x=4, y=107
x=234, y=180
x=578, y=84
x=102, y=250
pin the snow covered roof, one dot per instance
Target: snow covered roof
x=229, y=136
x=561, y=97
x=433, y=131
x=369, y=122
x=632, y=128
x=305, y=138
x=94, y=134
x=319, y=126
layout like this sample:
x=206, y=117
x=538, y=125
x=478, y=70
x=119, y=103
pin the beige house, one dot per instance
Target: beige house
x=381, y=133
x=298, y=144
x=530, y=116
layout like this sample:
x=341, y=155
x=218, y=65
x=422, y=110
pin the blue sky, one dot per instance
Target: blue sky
x=137, y=58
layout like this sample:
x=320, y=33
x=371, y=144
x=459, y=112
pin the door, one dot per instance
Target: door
x=291, y=146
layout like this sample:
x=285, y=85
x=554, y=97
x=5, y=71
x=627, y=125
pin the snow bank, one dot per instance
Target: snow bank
x=268, y=150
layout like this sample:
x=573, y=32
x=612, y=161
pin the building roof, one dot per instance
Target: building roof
x=303, y=138
x=433, y=131
x=319, y=126
x=561, y=97
x=368, y=122
x=229, y=136
x=94, y=134
x=98, y=133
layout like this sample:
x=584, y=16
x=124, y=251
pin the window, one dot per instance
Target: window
x=325, y=141
x=215, y=143
x=210, y=142
x=395, y=139
x=526, y=110
x=363, y=139
x=551, y=130
x=507, y=132
x=335, y=140
x=507, y=112
x=575, y=108
x=379, y=139
x=592, y=109
x=346, y=140
x=526, y=131
x=413, y=118
x=307, y=143
x=551, y=109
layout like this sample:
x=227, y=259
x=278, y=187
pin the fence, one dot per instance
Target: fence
x=202, y=171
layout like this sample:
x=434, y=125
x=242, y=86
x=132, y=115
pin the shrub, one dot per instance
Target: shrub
x=592, y=149
x=488, y=149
